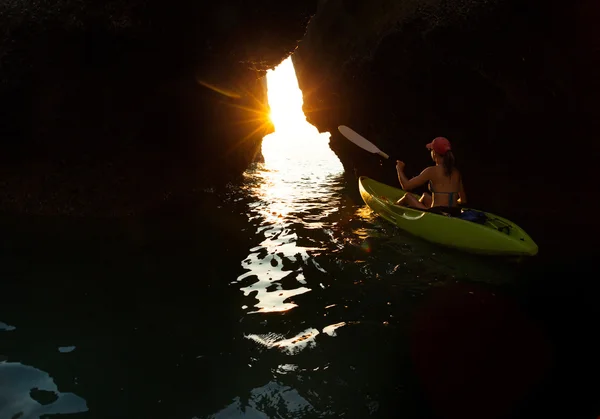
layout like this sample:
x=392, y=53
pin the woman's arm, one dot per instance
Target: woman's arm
x=416, y=181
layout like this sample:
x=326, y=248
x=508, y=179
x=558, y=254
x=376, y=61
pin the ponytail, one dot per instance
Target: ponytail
x=448, y=163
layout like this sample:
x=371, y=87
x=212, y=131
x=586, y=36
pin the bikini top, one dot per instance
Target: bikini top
x=450, y=194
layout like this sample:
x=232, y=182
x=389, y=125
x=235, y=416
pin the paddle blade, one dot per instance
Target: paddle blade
x=358, y=139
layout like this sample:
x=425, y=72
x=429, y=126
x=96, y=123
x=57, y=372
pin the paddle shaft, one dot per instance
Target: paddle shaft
x=385, y=156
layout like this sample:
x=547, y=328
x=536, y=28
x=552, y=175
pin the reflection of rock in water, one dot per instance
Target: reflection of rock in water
x=28, y=393
x=43, y=397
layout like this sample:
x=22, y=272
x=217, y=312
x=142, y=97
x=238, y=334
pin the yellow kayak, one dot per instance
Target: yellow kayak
x=492, y=235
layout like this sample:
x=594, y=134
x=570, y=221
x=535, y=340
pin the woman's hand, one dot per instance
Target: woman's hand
x=399, y=166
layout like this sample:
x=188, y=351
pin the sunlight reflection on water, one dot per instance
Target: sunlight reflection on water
x=296, y=184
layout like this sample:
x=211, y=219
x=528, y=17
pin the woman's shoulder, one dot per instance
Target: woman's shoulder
x=439, y=173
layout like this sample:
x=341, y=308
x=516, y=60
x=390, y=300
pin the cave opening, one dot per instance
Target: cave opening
x=294, y=139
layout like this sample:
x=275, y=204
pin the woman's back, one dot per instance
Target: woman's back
x=445, y=189
x=445, y=181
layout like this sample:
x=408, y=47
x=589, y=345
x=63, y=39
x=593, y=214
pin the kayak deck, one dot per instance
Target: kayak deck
x=498, y=236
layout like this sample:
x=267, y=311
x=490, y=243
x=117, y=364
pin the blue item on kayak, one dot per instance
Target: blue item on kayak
x=474, y=216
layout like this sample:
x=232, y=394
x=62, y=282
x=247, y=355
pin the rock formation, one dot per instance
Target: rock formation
x=510, y=83
x=107, y=109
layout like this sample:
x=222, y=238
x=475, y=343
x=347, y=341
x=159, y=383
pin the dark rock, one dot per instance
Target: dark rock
x=107, y=108
x=511, y=83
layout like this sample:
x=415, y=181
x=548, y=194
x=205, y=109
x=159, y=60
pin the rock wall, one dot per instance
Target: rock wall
x=110, y=108
x=510, y=83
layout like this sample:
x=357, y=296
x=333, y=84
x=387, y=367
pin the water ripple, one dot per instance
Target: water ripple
x=293, y=190
x=329, y=290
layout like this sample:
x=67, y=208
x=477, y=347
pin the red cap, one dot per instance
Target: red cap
x=440, y=145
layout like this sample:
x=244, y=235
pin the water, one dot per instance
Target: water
x=282, y=296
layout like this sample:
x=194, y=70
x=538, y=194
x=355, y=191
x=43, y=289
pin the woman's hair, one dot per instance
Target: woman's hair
x=449, y=164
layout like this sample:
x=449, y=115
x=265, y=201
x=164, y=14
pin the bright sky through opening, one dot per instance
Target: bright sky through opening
x=285, y=99
x=294, y=138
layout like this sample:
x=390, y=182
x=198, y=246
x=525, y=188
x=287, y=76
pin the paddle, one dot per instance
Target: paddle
x=361, y=141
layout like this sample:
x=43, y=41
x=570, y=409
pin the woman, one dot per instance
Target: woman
x=445, y=181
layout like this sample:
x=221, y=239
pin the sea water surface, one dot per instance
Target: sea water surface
x=281, y=296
